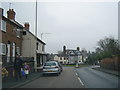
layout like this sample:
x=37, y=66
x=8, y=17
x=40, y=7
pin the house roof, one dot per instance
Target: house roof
x=35, y=36
x=61, y=55
x=73, y=52
x=41, y=41
x=15, y=23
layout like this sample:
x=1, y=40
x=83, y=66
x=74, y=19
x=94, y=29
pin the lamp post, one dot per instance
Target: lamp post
x=35, y=53
x=36, y=20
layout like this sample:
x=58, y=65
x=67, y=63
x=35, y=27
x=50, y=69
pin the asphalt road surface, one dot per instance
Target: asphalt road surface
x=96, y=79
x=67, y=79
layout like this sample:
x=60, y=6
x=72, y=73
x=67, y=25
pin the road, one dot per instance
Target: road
x=71, y=77
x=67, y=79
x=96, y=79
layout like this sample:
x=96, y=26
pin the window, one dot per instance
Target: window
x=3, y=49
x=64, y=58
x=3, y=25
x=18, y=33
x=60, y=58
x=50, y=64
x=18, y=50
x=43, y=48
x=37, y=45
x=24, y=33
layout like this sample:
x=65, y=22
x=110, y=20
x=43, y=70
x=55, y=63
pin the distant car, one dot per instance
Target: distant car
x=52, y=67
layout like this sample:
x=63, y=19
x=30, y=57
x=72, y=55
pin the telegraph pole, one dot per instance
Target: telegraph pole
x=42, y=35
x=10, y=5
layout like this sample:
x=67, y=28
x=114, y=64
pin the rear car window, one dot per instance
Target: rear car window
x=50, y=64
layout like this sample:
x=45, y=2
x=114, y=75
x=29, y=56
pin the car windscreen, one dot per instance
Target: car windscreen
x=50, y=64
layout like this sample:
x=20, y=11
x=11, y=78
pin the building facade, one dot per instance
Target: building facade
x=17, y=39
x=61, y=58
x=11, y=43
x=11, y=37
x=33, y=47
x=74, y=56
x=70, y=56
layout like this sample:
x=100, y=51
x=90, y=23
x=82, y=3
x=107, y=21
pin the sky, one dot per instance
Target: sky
x=70, y=23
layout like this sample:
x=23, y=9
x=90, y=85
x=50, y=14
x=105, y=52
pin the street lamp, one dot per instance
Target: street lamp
x=44, y=33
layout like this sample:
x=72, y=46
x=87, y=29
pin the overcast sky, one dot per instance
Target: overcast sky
x=72, y=24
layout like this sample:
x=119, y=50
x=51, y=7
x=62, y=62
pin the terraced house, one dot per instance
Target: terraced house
x=33, y=48
x=17, y=39
x=11, y=39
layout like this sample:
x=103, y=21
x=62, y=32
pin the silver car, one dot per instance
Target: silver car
x=52, y=67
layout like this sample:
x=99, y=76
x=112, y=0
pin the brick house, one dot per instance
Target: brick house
x=18, y=39
x=11, y=43
x=11, y=37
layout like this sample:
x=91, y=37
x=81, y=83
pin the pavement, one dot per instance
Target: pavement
x=16, y=84
x=113, y=72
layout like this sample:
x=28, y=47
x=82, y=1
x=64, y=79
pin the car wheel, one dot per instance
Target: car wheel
x=43, y=74
x=57, y=74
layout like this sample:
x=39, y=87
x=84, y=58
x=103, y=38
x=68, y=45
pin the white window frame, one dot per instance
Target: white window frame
x=18, y=50
x=18, y=33
x=1, y=48
x=13, y=50
x=3, y=25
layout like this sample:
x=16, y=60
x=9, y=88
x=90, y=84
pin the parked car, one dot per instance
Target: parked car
x=52, y=67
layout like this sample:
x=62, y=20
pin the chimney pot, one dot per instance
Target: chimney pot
x=11, y=14
x=26, y=25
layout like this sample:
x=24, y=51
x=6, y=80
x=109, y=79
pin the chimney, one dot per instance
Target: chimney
x=26, y=25
x=11, y=14
x=64, y=49
x=1, y=12
x=78, y=48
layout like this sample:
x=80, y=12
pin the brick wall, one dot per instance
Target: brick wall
x=10, y=35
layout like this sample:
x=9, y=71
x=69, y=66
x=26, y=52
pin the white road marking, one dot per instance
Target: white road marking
x=80, y=81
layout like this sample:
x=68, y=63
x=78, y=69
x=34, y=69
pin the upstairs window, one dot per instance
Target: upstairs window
x=3, y=25
x=24, y=33
x=43, y=48
x=18, y=33
x=37, y=45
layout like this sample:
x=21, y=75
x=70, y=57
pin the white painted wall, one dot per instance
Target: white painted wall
x=64, y=61
x=28, y=45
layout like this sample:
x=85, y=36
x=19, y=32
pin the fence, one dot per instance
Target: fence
x=111, y=63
